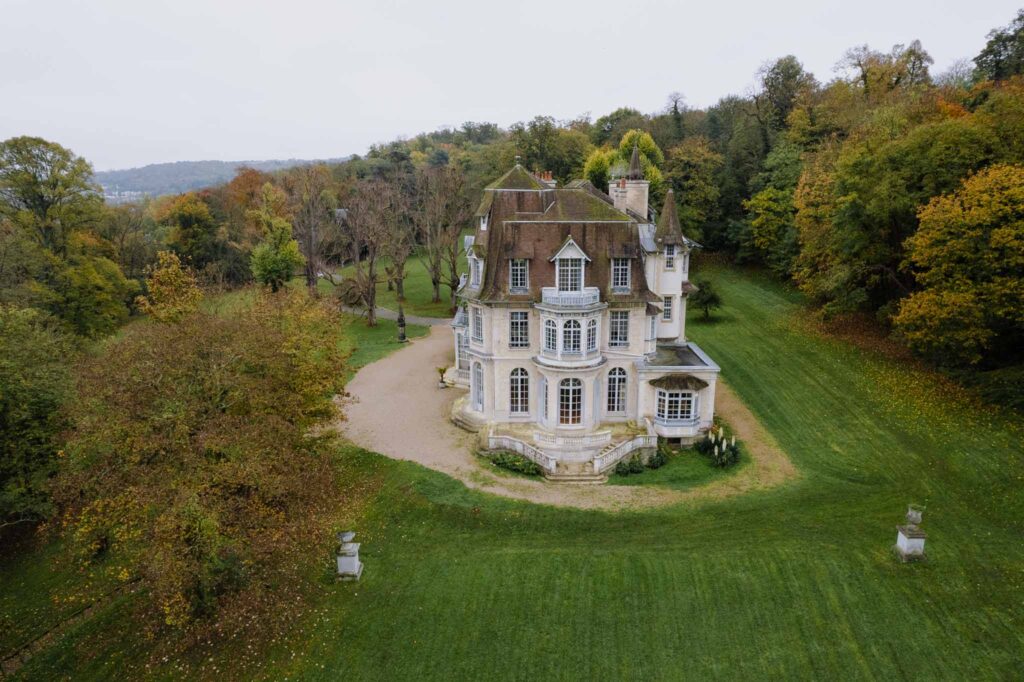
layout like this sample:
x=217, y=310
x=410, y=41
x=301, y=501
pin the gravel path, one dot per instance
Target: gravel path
x=397, y=410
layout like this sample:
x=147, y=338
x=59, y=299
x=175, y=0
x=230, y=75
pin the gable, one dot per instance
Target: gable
x=570, y=250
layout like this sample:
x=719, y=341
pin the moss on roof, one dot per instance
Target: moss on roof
x=517, y=178
x=485, y=204
x=575, y=206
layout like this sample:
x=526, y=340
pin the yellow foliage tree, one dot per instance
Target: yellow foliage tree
x=173, y=290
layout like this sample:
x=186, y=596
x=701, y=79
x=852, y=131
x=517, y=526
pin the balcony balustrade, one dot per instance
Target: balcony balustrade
x=571, y=299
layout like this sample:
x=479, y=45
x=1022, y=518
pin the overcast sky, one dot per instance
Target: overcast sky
x=130, y=82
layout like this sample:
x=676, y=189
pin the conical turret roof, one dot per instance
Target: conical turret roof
x=669, y=231
x=635, y=171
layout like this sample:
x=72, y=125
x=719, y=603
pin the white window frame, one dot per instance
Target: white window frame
x=616, y=402
x=568, y=267
x=670, y=256
x=676, y=406
x=477, y=321
x=572, y=336
x=525, y=272
x=591, y=335
x=475, y=271
x=570, y=402
x=654, y=328
x=478, y=387
x=518, y=329
x=551, y=336
x=519, y=392
x=621, y=273
x=615, y=319
x=666, y=311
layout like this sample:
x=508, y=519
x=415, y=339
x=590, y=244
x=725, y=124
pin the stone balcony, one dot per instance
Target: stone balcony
x=570, y=299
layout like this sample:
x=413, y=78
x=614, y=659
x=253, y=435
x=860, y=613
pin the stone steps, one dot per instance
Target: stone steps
x=576, y=472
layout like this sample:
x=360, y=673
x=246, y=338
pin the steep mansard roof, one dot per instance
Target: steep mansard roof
x=669, y=231
x=635, y=171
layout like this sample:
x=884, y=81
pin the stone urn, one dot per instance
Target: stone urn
x=349, y=565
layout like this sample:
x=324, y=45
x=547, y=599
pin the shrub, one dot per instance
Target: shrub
x=705, y=446
x=636, y=465
x=622, y=468
x=659, y=457
x=515, y=462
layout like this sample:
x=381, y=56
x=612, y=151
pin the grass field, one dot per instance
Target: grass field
x=795, y=583
x=418, y=290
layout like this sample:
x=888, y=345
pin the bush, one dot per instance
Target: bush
x=705, y=446
x=659, y=457
x=515, y=462
x=636, y=465
x=622, y=468
x=722, y=450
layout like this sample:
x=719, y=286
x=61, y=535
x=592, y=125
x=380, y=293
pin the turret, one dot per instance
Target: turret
x=631, y=192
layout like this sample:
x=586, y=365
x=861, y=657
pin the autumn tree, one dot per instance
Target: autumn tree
x=275, y=259
x=193, y=232
x=1003, y=54
x=195, y=465
x=440, y=211
x=691, y=171
x=171, y=289
x=312, y=198
x=968, y=259
x=374, y=206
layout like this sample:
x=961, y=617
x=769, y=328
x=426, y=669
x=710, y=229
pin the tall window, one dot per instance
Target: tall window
x=475, y=270
x=686, y=261
x=570, y=274
x=519, y=329
x=592, y=335
x=519, y=391
x=676, y=405
x=654, y=327
x=478, y=387
x=478, y=325
x=618, y=336
x=518, y=274
x=543, y=399
x=617, y=390
x=571, y=336
x=620, y=273
x=666, y=311
x=550, y=335
x=570, y=401
x=670, y=256
x=463, y=359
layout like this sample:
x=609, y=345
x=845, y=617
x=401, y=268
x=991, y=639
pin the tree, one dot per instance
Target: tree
x=784, y=82
x=194, y=231
x=705, y=298
x=313, y=198
x=1003, y=54
x=968, y=259
x=878, y=73
x=373, y=208
x=544, y=145
x=91, y=295
x=196, y=465
x=132, y=235
x=274, y=260
x=691, y=171
x=172, y=290
x=598, y=166
x=47, y=191
x=34, y=382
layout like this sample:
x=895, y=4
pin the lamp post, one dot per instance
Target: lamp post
x=401, y=324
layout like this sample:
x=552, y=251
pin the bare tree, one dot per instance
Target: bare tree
x=373, y=210
x=312, y=201
x=441, y=211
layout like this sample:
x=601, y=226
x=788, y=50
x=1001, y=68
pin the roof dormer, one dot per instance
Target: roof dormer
x=570, y=249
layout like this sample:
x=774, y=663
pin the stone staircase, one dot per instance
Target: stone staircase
x=576, y=472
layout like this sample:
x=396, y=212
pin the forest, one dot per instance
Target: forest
x=890, y=196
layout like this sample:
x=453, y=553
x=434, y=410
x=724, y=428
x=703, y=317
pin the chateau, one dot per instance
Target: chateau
x=571, y=331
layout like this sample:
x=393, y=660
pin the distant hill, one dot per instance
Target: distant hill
x=173, y=178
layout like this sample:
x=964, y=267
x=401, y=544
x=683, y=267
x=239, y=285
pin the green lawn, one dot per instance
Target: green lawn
x=418, y=290
x=684, y=470
x=795, y=583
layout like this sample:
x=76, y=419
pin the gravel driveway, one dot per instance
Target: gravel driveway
x=397, y=409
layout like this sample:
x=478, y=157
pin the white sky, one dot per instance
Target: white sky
x=129, y=82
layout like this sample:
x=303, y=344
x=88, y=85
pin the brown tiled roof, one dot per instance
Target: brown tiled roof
x=517, y=178
x=669, y=230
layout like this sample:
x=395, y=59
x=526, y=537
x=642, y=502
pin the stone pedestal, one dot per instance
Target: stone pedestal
x=349, y=565
x=910, y=542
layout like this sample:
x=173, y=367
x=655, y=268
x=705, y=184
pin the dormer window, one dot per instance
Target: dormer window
x=570, y=274
x=620, y=273
x=475, y=271
x=518, y=275
x=483, y=222
x=670, y=256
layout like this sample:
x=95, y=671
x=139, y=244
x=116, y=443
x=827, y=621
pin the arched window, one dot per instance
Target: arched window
x=550, y=336
x=571, y=336
x=570, y=401
x=519, y=391
x=592, y=335
x=617, y=390
x=478, y=387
